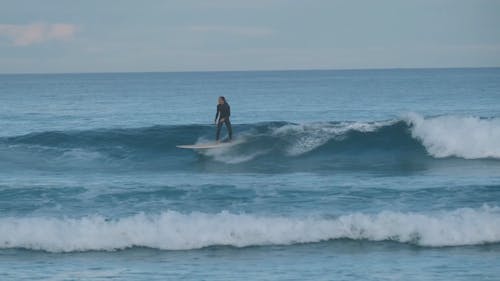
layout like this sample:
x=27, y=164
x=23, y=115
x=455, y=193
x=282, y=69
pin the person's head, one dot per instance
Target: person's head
x=222, y=100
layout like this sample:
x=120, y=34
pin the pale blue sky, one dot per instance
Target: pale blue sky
x=189, y=35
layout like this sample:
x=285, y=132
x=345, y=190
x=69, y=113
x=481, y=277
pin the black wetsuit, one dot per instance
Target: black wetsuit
x=223, y=111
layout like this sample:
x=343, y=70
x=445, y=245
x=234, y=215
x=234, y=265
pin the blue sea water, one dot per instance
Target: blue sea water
x=336, y=175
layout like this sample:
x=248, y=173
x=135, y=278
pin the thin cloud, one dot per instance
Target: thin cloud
x=29, y=34
x=234, y=30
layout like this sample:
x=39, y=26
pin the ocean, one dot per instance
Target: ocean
x=336, y=175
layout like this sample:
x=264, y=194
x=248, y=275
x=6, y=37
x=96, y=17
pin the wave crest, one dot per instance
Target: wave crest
x=171, y=230
x=465, y=137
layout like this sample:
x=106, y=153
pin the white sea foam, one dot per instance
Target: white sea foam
x=307, y=137
x=466, y=137
x=81, y=154
x=302, y=139
x=174, y=231
x=230, y=154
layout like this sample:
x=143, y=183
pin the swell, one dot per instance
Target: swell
x=172, y=230
x=411, y=141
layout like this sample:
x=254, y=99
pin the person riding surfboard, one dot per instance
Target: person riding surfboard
x=223, y=114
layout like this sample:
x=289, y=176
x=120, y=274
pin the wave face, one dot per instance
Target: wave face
x=172, y=230
x=409, y=142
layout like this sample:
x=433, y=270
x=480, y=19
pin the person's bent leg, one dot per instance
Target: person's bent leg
x=229, y=129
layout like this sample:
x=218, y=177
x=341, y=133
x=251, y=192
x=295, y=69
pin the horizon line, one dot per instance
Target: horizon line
x=252, y=70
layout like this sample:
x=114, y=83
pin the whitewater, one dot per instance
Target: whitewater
x=375, y=173
x=174, y=231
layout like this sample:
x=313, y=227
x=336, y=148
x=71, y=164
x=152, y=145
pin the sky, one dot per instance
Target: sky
x=59, y=36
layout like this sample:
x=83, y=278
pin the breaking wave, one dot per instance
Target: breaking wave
x=465, y=137
x=412, y=138
x=172, y=230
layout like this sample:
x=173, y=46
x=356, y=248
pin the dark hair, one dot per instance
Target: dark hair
x=222, y=98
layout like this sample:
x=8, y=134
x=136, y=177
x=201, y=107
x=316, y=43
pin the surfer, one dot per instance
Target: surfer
x=223, y=113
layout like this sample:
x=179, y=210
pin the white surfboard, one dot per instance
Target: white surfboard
x=207, y=145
